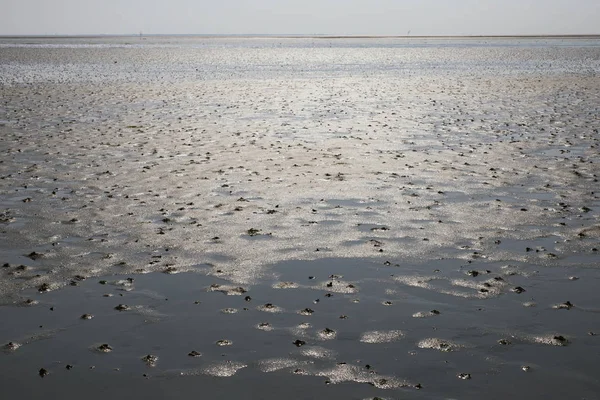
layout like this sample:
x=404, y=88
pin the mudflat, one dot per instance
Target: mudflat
x=255, y=218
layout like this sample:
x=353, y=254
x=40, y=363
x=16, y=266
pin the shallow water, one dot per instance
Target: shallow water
x=442, y=195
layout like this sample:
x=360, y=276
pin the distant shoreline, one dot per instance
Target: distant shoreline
x=292, y=36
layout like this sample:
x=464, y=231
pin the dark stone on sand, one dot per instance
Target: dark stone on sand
x=379, y=382
x=150, y=360
x=43, y=372
x=518, y=290
x=253, y=232
x=11, y=346
x=560, y=340
x=299, y=343
x=473, y=273
x=567, y=305
x=87, y=316
x=34, y=256
x=194, y=353
x=122, y=307
x=504, y=342
x=248, y=298
x=435, y=312
x=105, y=348
x=44, y=287
x=69, y=367
x=327, y=332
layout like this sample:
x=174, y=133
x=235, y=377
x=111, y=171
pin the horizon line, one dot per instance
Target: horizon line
x=294, y=36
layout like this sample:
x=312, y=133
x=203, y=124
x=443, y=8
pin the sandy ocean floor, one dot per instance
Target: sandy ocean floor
x=254, y=218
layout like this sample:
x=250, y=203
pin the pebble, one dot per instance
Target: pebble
x=105, y=348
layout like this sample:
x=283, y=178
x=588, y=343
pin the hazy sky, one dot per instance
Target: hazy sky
x=381, y=17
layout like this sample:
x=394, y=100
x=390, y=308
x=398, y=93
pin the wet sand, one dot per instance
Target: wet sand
x=351, y=218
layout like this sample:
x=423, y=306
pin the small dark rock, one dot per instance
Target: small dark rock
x=34, y=256
x=43, y=372
x=327, y=332
x=11, y=346
x=560, y=340
x=567, y=305
x=150, y=360
x=44, y=287
x=299, y=343
x=105, y=348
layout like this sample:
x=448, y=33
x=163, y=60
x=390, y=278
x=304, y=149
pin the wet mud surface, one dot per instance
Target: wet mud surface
x=258, y=218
